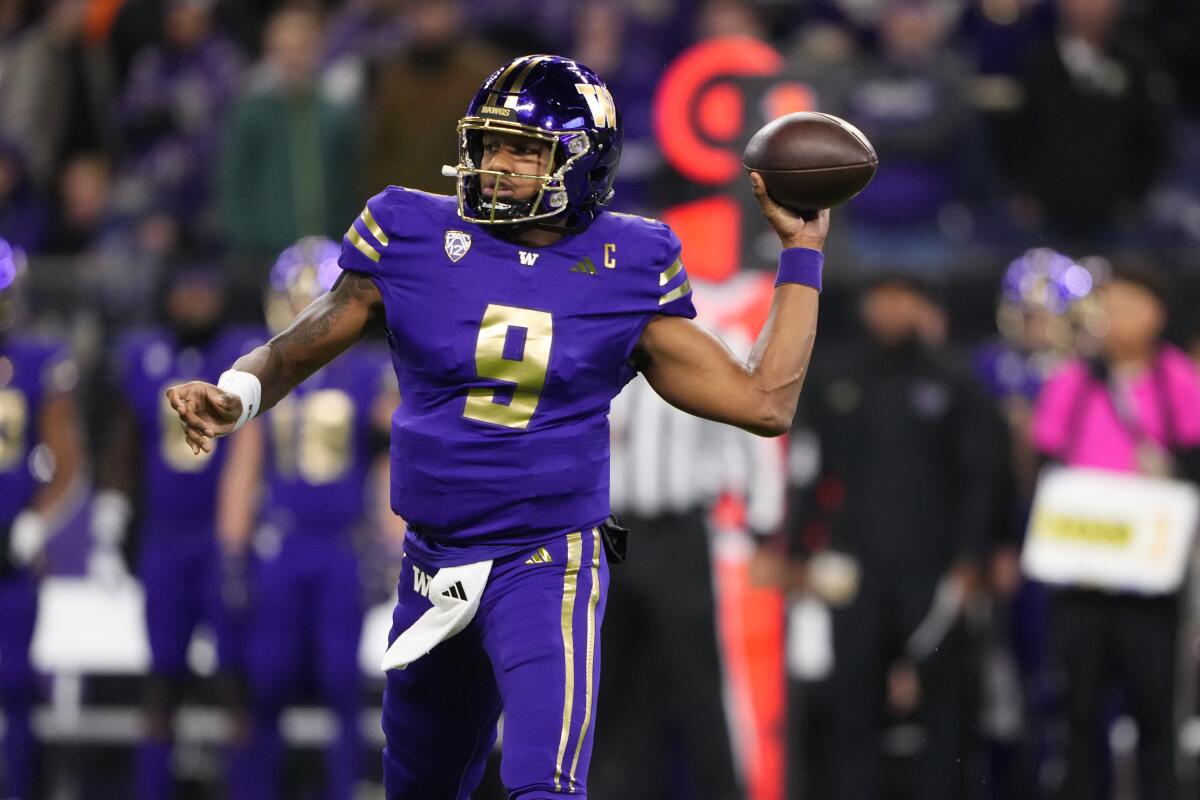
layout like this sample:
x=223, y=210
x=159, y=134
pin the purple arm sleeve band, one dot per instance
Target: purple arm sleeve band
x=800, y=265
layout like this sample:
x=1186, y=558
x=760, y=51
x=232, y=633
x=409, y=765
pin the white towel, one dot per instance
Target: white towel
x=455, y=593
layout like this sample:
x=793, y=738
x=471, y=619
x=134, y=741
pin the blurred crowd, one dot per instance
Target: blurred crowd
x=1039, y=170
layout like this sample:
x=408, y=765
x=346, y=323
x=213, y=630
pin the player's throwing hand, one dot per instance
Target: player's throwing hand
x=793, y=229
x=205, y=411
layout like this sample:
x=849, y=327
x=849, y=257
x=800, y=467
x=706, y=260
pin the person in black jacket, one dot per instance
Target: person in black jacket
x=891, y=529
x=1092, y=132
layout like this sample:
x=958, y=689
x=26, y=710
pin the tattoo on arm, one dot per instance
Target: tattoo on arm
x=351, y=287
x=333, y=322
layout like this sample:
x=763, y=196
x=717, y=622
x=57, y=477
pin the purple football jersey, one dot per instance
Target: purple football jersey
x=179, y=488
x=31, y=369
x=319, y=446
x=507, y=357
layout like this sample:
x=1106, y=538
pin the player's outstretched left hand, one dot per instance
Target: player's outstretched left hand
x=793, y=229
x=205, y=411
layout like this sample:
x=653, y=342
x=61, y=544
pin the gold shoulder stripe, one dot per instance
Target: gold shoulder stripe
x=670, y=272
x=369, y=220
x=676, y=293
x=570, y=587
x=362, y=245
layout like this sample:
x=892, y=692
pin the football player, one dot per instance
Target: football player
x=179, y=563
x=515, y=312
x=311, y=457
x=40, y=459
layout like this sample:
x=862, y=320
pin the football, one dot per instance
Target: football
x=810, y=160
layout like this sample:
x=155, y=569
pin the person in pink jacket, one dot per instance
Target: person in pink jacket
x=1134, y=408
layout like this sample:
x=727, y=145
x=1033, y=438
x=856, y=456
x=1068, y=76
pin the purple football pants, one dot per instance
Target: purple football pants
x=305, y=622
x=18, y=682
x=183, y=580
x=532, y=651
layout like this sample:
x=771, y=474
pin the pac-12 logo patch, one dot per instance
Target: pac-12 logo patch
x=457, y=244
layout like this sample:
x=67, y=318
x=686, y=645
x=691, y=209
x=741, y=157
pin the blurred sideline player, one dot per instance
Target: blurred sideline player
x=515, y=314
x=179, y=562
x=40, y=458
x=311, y=458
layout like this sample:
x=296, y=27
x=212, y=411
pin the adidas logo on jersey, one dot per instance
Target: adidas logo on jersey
x=456, y=591
x=586, y=267
x=540, y=556
x=528, y=259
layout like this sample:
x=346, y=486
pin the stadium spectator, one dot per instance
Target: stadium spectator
x=630, y=44
x=23, y=217
x=288, y=161
x=84, y=205
x=892, y=525
x=661, y=688
x=418, y=98
x=39, y=107
x=910, y=98
x=41, y=454
x=1091, y=135
x=171, y=110
x=1133, y=409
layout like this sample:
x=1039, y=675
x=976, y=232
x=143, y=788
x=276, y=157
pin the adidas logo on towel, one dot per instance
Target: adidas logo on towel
x=456, y=591
x=540, y=556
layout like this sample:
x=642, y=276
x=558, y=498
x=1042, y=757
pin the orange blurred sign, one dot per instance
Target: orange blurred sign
x=709, y=102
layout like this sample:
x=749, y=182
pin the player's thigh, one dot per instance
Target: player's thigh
x=542, y=634
x=439, y=713
x=227, y=588
x=337, y=623
x=18, y=613
x=170, y=572
x=275, y=654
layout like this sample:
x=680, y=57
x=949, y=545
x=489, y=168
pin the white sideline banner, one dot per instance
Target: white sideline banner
x=84, y=627
x=1112, y=531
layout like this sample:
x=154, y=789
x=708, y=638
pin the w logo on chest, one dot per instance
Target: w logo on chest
x=528, y=259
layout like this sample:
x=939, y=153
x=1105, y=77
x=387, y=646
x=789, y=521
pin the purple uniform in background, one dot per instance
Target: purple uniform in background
x=307, y=608
x=179, y=562
x=29, y=370
x=507, y=357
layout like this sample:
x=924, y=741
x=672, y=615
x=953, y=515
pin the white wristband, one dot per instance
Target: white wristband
x=247, y=387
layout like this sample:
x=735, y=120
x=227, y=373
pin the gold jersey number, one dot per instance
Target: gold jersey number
x=313, y=436
x=14, y=424
x=527, y=373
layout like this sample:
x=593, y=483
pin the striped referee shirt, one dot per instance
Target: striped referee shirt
x=665, y=461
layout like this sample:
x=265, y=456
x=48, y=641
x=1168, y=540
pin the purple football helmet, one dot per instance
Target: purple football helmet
x=301, y=274
x=551, y=99
x=12, y=286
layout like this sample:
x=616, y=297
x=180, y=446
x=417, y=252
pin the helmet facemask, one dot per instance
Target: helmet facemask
x=551, y=198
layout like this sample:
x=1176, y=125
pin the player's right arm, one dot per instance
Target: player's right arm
x=330, y=324
x=694, y=371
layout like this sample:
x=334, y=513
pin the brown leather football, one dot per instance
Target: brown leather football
x=811, y=160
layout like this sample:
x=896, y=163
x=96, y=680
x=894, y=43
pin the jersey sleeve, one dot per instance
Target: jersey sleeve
x=377, y=227
x=674, y=290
